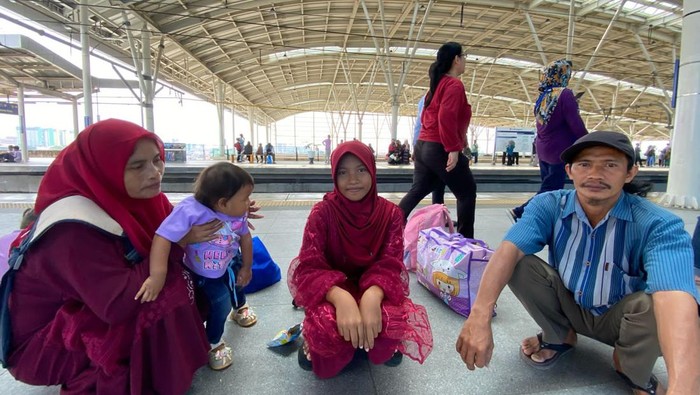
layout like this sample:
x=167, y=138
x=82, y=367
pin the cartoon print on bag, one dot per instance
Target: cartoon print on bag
x=446, y=278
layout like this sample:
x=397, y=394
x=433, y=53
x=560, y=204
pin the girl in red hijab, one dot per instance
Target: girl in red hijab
x=74, y=320
x=349, y=275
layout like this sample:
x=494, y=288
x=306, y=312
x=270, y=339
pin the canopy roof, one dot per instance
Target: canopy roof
x=278, y=58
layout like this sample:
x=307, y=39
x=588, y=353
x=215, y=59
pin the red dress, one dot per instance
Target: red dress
x=75, y=322
x=322, y=264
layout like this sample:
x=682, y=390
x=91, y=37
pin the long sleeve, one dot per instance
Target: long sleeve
x=571, y=112
x=417, y=126
x=388, y=272
x=87, y=265
x=454, y=115
x=311, y=275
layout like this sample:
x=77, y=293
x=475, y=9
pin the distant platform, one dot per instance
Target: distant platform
x=300, y=176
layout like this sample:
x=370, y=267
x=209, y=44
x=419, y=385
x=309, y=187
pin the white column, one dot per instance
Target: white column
x=683, y=177
x=252, y=125
x=294, y=135
x=394, y=116
x=219, y=96
x=22, y=123
x=233, y=129
x=148, y=83
x=85, y=47
x=76, y=123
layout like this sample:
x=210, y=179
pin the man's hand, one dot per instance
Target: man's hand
x=475, y=342
x=371, y=313
x=452, y=159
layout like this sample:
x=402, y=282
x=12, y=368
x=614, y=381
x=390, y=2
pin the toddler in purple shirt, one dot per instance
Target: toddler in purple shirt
x=222, y=191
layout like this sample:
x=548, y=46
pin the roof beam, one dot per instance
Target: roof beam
x=600, y=44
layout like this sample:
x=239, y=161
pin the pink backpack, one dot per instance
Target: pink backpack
x=435, y=215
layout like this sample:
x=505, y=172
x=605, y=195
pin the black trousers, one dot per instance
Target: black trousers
x=429, y=173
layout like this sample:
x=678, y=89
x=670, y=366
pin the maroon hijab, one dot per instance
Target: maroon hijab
x=364, y=222
x=93, y=166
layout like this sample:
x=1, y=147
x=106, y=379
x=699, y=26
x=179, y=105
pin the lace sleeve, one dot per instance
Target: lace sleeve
x=388, y=272
x=310, y=276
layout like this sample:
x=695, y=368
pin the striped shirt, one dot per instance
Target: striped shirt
x=638, y=246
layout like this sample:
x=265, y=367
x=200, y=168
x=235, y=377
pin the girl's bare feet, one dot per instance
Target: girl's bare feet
x=304, y=356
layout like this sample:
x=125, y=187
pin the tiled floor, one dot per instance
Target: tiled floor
x=259, y=370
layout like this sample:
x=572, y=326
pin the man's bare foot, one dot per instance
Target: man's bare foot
x=531, y=347
x=660, y=390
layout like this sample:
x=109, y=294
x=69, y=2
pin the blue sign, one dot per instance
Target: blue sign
x=9, y=108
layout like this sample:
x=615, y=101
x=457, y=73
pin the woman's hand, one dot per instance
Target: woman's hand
x=347, y=316
x=452, y=159
x=252, y=214
x=201, y=233
x=371, y=313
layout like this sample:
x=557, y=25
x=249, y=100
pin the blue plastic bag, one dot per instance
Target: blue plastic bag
x=265, y=270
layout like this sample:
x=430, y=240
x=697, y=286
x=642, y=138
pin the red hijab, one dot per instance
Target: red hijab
x=93, y=166
x=361, y=223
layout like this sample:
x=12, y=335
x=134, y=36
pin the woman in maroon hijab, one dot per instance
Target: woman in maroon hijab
x=349, y=275
x=74, y=319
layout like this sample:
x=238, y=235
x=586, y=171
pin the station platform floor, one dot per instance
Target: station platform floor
x=259, y=370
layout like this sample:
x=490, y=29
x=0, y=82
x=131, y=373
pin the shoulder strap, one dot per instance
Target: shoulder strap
x=69, y=209
x=75, y=209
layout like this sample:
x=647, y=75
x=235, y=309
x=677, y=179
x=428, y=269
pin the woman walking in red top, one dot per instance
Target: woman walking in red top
x=438, y=152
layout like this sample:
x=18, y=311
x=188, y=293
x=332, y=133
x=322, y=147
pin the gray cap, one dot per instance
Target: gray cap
x=595, y=139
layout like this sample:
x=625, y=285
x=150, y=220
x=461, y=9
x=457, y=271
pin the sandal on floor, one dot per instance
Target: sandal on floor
x=650, y=387
x=304, y=362
x=395, y=360
x=244, y=316
x=561, y=349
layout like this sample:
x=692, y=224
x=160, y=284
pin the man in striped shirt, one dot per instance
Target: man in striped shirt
x=620, y=271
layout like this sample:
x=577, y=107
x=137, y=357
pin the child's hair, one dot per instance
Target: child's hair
x=28, y=216
x=220, y=180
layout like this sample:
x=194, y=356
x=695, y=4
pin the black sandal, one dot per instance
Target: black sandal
x=561, y=349
x=650, y=388
x=395, y=360
x=303, y=361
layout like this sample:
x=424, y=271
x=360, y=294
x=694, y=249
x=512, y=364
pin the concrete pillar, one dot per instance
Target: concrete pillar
x=294, y=135
x=394, y=116
x=219, y=96
x=252, y=125
x=148, y=83
x=233, y=127
x=22, y=123
x=359, y=127
x=85, y=48
x=683, y=178
x=76, y=123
